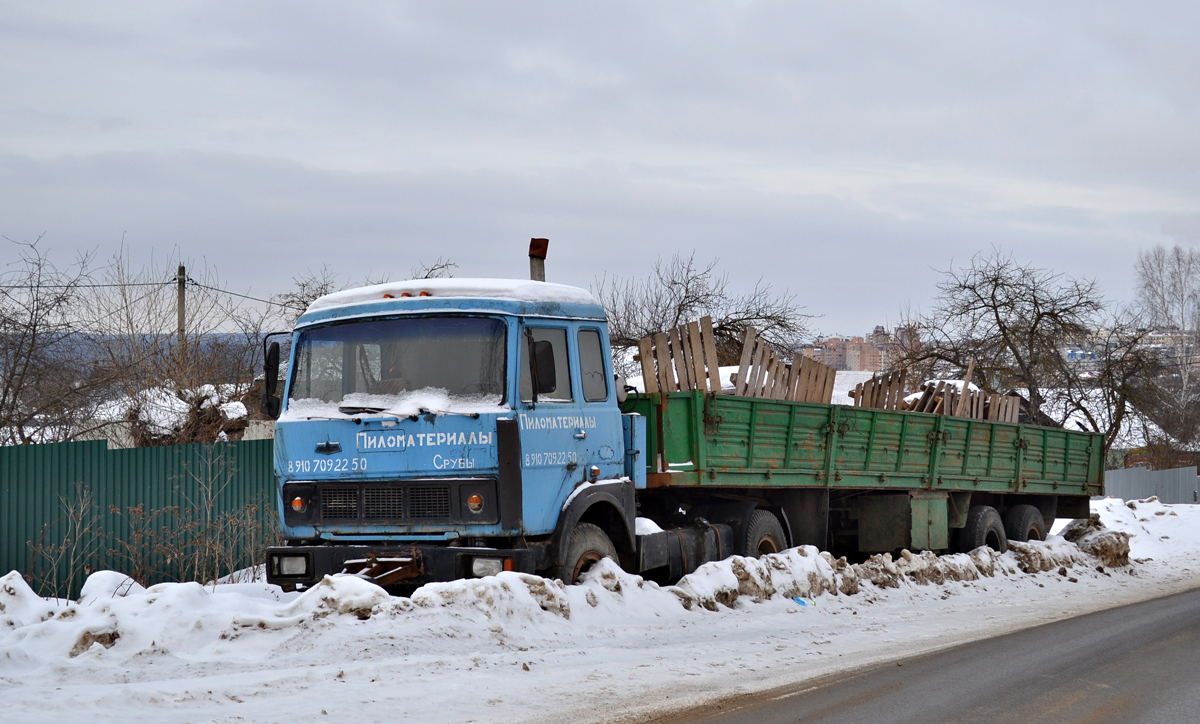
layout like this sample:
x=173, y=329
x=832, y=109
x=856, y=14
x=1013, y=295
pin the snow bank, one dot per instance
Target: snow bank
x=517, y=647
x=1156, y=531
x=115, y=613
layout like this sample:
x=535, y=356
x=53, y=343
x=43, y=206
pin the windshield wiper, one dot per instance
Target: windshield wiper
x=435, y=413
x=356, y=410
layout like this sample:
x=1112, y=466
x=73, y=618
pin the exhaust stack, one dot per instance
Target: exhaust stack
x=537, y=259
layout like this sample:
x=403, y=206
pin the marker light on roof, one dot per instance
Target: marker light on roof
x=388, y=296
x=405, y=294
x=426, y=294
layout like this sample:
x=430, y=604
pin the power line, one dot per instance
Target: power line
x=83, y=286
x=243, y=296
x=189, y=280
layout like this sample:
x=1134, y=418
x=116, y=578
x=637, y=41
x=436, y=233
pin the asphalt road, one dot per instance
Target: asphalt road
x=1138, y=663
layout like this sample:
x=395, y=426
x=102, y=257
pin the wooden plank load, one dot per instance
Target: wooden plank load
x=685, y=359
x=881, y=392
x=942, y=398
x=886, y=392
x=681, y=360
x=762, y=374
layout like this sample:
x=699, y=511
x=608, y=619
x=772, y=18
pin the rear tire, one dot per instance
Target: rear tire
x=764, y=535
x=1024, y=523
x=586, y=546
x=984, y=528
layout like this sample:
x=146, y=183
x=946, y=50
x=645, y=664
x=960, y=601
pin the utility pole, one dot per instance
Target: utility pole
x=181, y=281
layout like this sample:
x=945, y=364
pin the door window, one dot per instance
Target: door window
x=591, y=366
x=562, y=370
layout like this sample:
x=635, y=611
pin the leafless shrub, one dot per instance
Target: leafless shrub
x=150, y=545
x=217, y=544
x=682, y=290
x=203, y=540
x=68, y=549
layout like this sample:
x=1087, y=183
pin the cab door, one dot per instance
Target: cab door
x=605, y=440
x=554, y=430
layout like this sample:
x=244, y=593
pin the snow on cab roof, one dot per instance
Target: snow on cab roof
x=515, y=289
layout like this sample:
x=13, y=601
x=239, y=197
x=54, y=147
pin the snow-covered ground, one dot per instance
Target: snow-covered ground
x=519, y=648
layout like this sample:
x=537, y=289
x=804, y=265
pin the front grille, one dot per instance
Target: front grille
x=385, y=503
x=422, y=502
x=431, y=501
x=339, y=503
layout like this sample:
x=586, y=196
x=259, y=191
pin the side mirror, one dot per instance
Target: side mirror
x=271, y=405
x=622, y=393
x=544, y=375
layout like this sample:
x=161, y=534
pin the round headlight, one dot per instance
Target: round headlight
x=475, y=503
x=299, y=505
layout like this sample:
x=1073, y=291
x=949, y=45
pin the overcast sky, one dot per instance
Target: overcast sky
x=842, y=151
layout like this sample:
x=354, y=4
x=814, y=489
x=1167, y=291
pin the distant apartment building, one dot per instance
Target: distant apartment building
x=872, y=353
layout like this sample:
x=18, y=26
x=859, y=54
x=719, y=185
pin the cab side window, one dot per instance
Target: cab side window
x=591, y=366
x=562, y=369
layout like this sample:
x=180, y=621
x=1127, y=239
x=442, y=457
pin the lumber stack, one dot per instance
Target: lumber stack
x=763, y=374
x=681, y=360
x=886, y=392
x=943, y=398
x=881, y=392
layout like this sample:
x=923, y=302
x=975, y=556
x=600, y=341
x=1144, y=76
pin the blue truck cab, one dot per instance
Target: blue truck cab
x=446, y=428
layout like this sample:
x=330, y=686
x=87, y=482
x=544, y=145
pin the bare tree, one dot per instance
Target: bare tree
x=46, y=386
x=307, y=288
x=1013, y=319
x=174, y=390
x=682, y=290
x=1106, y=385
x=1169, y=299
x=311, y=285
x=439, y=269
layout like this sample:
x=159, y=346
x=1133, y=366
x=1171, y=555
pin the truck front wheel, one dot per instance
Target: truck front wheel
x=764, y=535
x=586, y=546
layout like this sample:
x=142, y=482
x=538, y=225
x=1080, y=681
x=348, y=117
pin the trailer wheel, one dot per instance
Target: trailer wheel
x=764, y=535
x=1024, y=523
x=983, y=528
x=586, y=546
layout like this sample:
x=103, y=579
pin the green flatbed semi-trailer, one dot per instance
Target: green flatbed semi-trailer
x=863, y=480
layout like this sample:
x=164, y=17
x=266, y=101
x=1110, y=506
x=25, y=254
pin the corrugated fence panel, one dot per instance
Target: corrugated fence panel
x=1171, y=486
x=39, y=482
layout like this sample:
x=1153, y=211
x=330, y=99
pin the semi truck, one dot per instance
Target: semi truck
x=438, y=429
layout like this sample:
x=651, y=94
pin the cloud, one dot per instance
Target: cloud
x=1183, y=228
x=841, y=151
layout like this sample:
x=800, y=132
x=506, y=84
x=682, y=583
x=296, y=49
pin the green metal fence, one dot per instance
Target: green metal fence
x=68, y=508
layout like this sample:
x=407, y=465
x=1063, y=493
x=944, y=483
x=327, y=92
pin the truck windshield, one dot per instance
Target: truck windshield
x=395, y=364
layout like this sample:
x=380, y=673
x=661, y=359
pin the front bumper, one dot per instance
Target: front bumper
x=398, y=564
